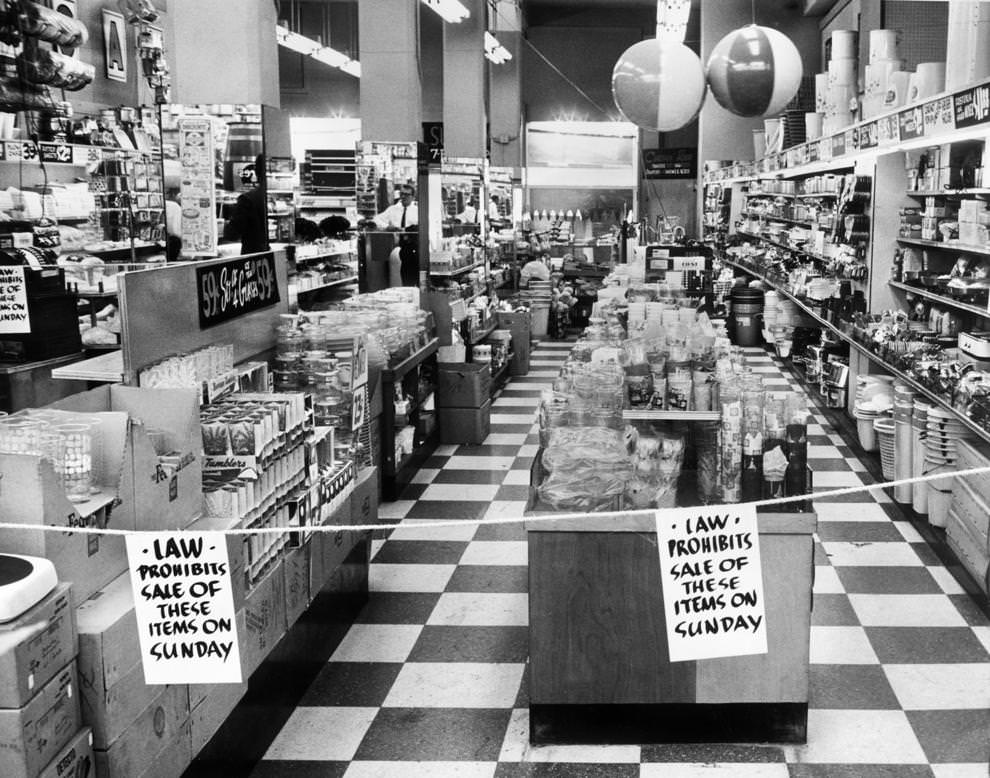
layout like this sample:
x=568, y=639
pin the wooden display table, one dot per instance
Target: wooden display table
x=599, y=669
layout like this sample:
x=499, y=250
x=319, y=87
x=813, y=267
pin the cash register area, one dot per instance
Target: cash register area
x=430, y=679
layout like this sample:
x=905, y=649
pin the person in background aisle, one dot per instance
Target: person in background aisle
x=536, y=268
x=249, y=222
x=173, y=225
x=403, y=216
x=470, y=213
x=494, y=217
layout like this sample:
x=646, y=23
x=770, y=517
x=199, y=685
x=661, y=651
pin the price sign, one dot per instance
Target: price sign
x=868, y=136
x=911, y=123
x=14, y=315
x=839, y=144
x=971, y=106
x=236, y=287
x=939, y=116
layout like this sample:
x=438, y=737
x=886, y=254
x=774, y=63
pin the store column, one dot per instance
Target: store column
x=505, y=88
x=391, y=95
x=464, y=116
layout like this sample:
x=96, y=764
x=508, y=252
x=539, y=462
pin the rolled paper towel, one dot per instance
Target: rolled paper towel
x=842, y=72
x=877, y=75
x=821, y=92
x=883, y=45
x=968, y=45
x=759, y=144
x=929, y=79
x=839, y=98
x=813, y=125
x=898, y=86
x=844, y=44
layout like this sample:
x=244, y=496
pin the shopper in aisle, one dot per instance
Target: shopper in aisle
x=536, y=268
x=249, y=222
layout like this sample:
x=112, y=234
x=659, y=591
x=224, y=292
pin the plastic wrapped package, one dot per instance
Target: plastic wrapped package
x=656, y=461
x=588, y=470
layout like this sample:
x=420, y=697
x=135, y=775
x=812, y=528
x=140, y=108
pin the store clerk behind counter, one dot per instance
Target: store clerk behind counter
x=401, y=217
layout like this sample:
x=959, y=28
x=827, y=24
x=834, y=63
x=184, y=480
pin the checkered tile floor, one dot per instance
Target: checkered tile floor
x=431, y=681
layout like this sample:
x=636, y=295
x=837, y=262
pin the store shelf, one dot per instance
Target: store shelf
x=770, y=218
x=946, y=245
x=784, y=246
x=634, y=414
x=328, y=285
x=922, y=292
x=106, y=368
x=816, y=195
x=771, y=194
x=978, y=191
x=459, y=272
x=93, y=295
x=476, y=337
x=394, y=374
x=870, y=355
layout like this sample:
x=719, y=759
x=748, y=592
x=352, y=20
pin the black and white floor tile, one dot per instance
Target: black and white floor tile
x=431, y=680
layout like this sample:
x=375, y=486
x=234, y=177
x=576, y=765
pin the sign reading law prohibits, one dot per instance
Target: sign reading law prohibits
x=712, y=582
x=184, y=607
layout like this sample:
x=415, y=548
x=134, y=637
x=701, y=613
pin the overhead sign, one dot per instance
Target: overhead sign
x=15, y=318
x=184, y=604
x=233, y=288
x=670, y=163
x=433, y=138
x=712, y=582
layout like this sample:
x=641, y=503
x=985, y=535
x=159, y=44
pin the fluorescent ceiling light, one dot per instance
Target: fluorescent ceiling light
x=495, y=51
x=452, y=11
x=311, y=48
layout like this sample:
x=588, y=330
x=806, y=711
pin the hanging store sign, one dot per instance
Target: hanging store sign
x=115, y=45
x=15, y=319
x=971, y=106
x=184, y=604
x=712, y=582
x=670, y=163
x=239, y=286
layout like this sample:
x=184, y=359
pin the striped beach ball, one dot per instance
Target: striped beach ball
x=658, y=85
x=754, y=71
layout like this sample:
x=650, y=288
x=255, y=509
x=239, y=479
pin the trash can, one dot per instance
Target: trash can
x=747, y=316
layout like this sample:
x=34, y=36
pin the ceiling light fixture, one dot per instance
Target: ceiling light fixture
x=494, y=51
x=311, y=48
x=452, y=11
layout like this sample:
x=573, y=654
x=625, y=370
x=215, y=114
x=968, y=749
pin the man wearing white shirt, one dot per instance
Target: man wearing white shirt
x=401, y=215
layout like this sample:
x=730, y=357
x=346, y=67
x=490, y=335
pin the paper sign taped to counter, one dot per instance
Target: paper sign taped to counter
x=15, y=318
x=184, y=604
x=712, y=582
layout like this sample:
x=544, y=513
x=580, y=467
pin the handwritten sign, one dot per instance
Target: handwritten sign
x=971, y=106
x=184, y=605
x=712, y=582
x=912, y=123
x=236, y=287
x=938, y=116
x=14, y=316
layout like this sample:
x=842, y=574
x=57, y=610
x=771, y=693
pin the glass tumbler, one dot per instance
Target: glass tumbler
x=74, y=460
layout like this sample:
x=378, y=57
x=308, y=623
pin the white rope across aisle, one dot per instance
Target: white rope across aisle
x=429, y=524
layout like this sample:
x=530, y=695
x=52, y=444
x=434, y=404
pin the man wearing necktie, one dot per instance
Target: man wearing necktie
x=403, y=217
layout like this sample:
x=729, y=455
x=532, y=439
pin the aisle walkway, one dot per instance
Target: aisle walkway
x=432, y=680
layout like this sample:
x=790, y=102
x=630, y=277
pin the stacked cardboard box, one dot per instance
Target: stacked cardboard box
x=40, y=726
x=463, y=400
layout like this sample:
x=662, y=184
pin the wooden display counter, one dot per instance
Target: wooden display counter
x=599, y=670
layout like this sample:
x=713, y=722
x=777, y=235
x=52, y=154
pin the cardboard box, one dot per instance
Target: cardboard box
x=140, y=750
x=463, y=385
x=295, y=570
x=35, y=646
x=261, y=623
x=152, y=496
x=31, y=495
x=111, y=678
x=75, y=760
x=465, y=425
x=30, y=737
x=364, y=498
x=216, y=704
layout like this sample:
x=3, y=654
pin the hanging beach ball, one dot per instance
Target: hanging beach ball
x=754, y=71
x=658, y=85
